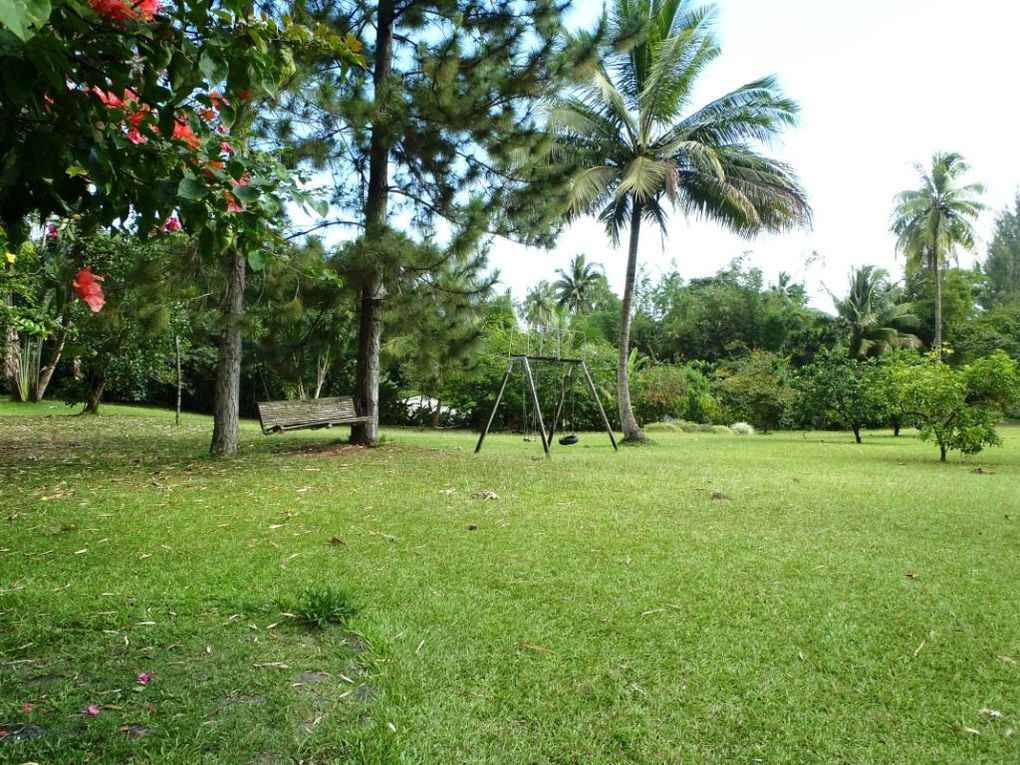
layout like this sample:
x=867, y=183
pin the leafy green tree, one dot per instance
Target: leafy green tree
x=957, y=407
x=576, y=288
x=936, y=220
x=1002, y=265
x=876, y=314
x=840, y=389
x=636, y=149
x=757, y=388
x=728, y=314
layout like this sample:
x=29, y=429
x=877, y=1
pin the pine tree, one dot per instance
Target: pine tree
x=1002, y=267
x=444, y=133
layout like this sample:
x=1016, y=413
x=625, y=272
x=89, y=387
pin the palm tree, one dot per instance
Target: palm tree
x=575, y=289
x=932, y=222
x=877, y=318
x=632, y=143
x=540, y=310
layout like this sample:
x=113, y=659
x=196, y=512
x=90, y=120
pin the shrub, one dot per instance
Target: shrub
x=721, y=430
x=742, y=429
x=672, y=390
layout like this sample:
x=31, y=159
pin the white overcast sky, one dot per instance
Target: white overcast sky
x=881, y=84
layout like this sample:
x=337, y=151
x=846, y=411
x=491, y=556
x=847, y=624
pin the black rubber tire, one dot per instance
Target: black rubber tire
x=569, y=440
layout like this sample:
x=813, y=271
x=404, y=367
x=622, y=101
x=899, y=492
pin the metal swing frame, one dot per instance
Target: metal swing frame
x=525, y=362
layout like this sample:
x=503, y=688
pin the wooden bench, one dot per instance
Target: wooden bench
x=280, y=416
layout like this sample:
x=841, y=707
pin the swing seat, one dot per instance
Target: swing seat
x=569, y=440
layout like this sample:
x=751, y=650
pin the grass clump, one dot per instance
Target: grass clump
x=322, y=607
x=742, y=429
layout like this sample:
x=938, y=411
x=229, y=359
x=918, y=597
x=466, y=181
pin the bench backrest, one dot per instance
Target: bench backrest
x=283, y=414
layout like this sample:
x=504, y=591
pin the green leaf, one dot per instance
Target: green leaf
x=213, y=67
x=246, y=194
x=257, y=260
x=23, y=17
x=191, y=190
x=75, y=170
x=321, y=206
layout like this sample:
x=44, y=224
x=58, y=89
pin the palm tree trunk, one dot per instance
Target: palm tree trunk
x=366, y=379
x=56, y=349
x=937, y=283
x=631, y=429
x=227, y=391
x=12, y=362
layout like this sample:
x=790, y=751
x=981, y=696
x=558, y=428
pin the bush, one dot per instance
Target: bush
x=742, y=429
x=673, y=390
x=721, y=430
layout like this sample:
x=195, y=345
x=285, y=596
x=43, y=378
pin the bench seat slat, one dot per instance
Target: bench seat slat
x=277, y=416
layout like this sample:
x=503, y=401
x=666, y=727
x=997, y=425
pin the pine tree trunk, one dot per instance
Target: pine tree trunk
x=94, y=395
x=437, y=413
x=631, y=429
x=366, y=382
x=937, y=282
x=227, y=394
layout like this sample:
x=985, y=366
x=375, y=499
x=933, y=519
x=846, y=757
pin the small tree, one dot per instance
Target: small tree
x=957, y=408
x=757, y=389
x=839, y=389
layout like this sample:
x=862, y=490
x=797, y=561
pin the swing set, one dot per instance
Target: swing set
x=572, y=365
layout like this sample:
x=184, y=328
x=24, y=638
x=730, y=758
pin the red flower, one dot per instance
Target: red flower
x=86, y=284
x=217, y=100
x=232, y=204
x=226, y=148
x=52, y=232
x=243, y=95
x=172, y=224
x=26, y=709
x=92, y=710
x=183, y=132
x=123, y=10
x=144, y=677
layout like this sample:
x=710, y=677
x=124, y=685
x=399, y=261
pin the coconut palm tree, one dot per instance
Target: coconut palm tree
x=874, y=311
x=540, y=310
x=935, y=220
x=575, y=289
x=633, y=144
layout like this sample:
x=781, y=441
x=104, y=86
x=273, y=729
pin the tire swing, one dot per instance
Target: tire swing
x=571, y=438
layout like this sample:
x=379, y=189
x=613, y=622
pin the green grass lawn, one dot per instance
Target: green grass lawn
x=831, y=603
